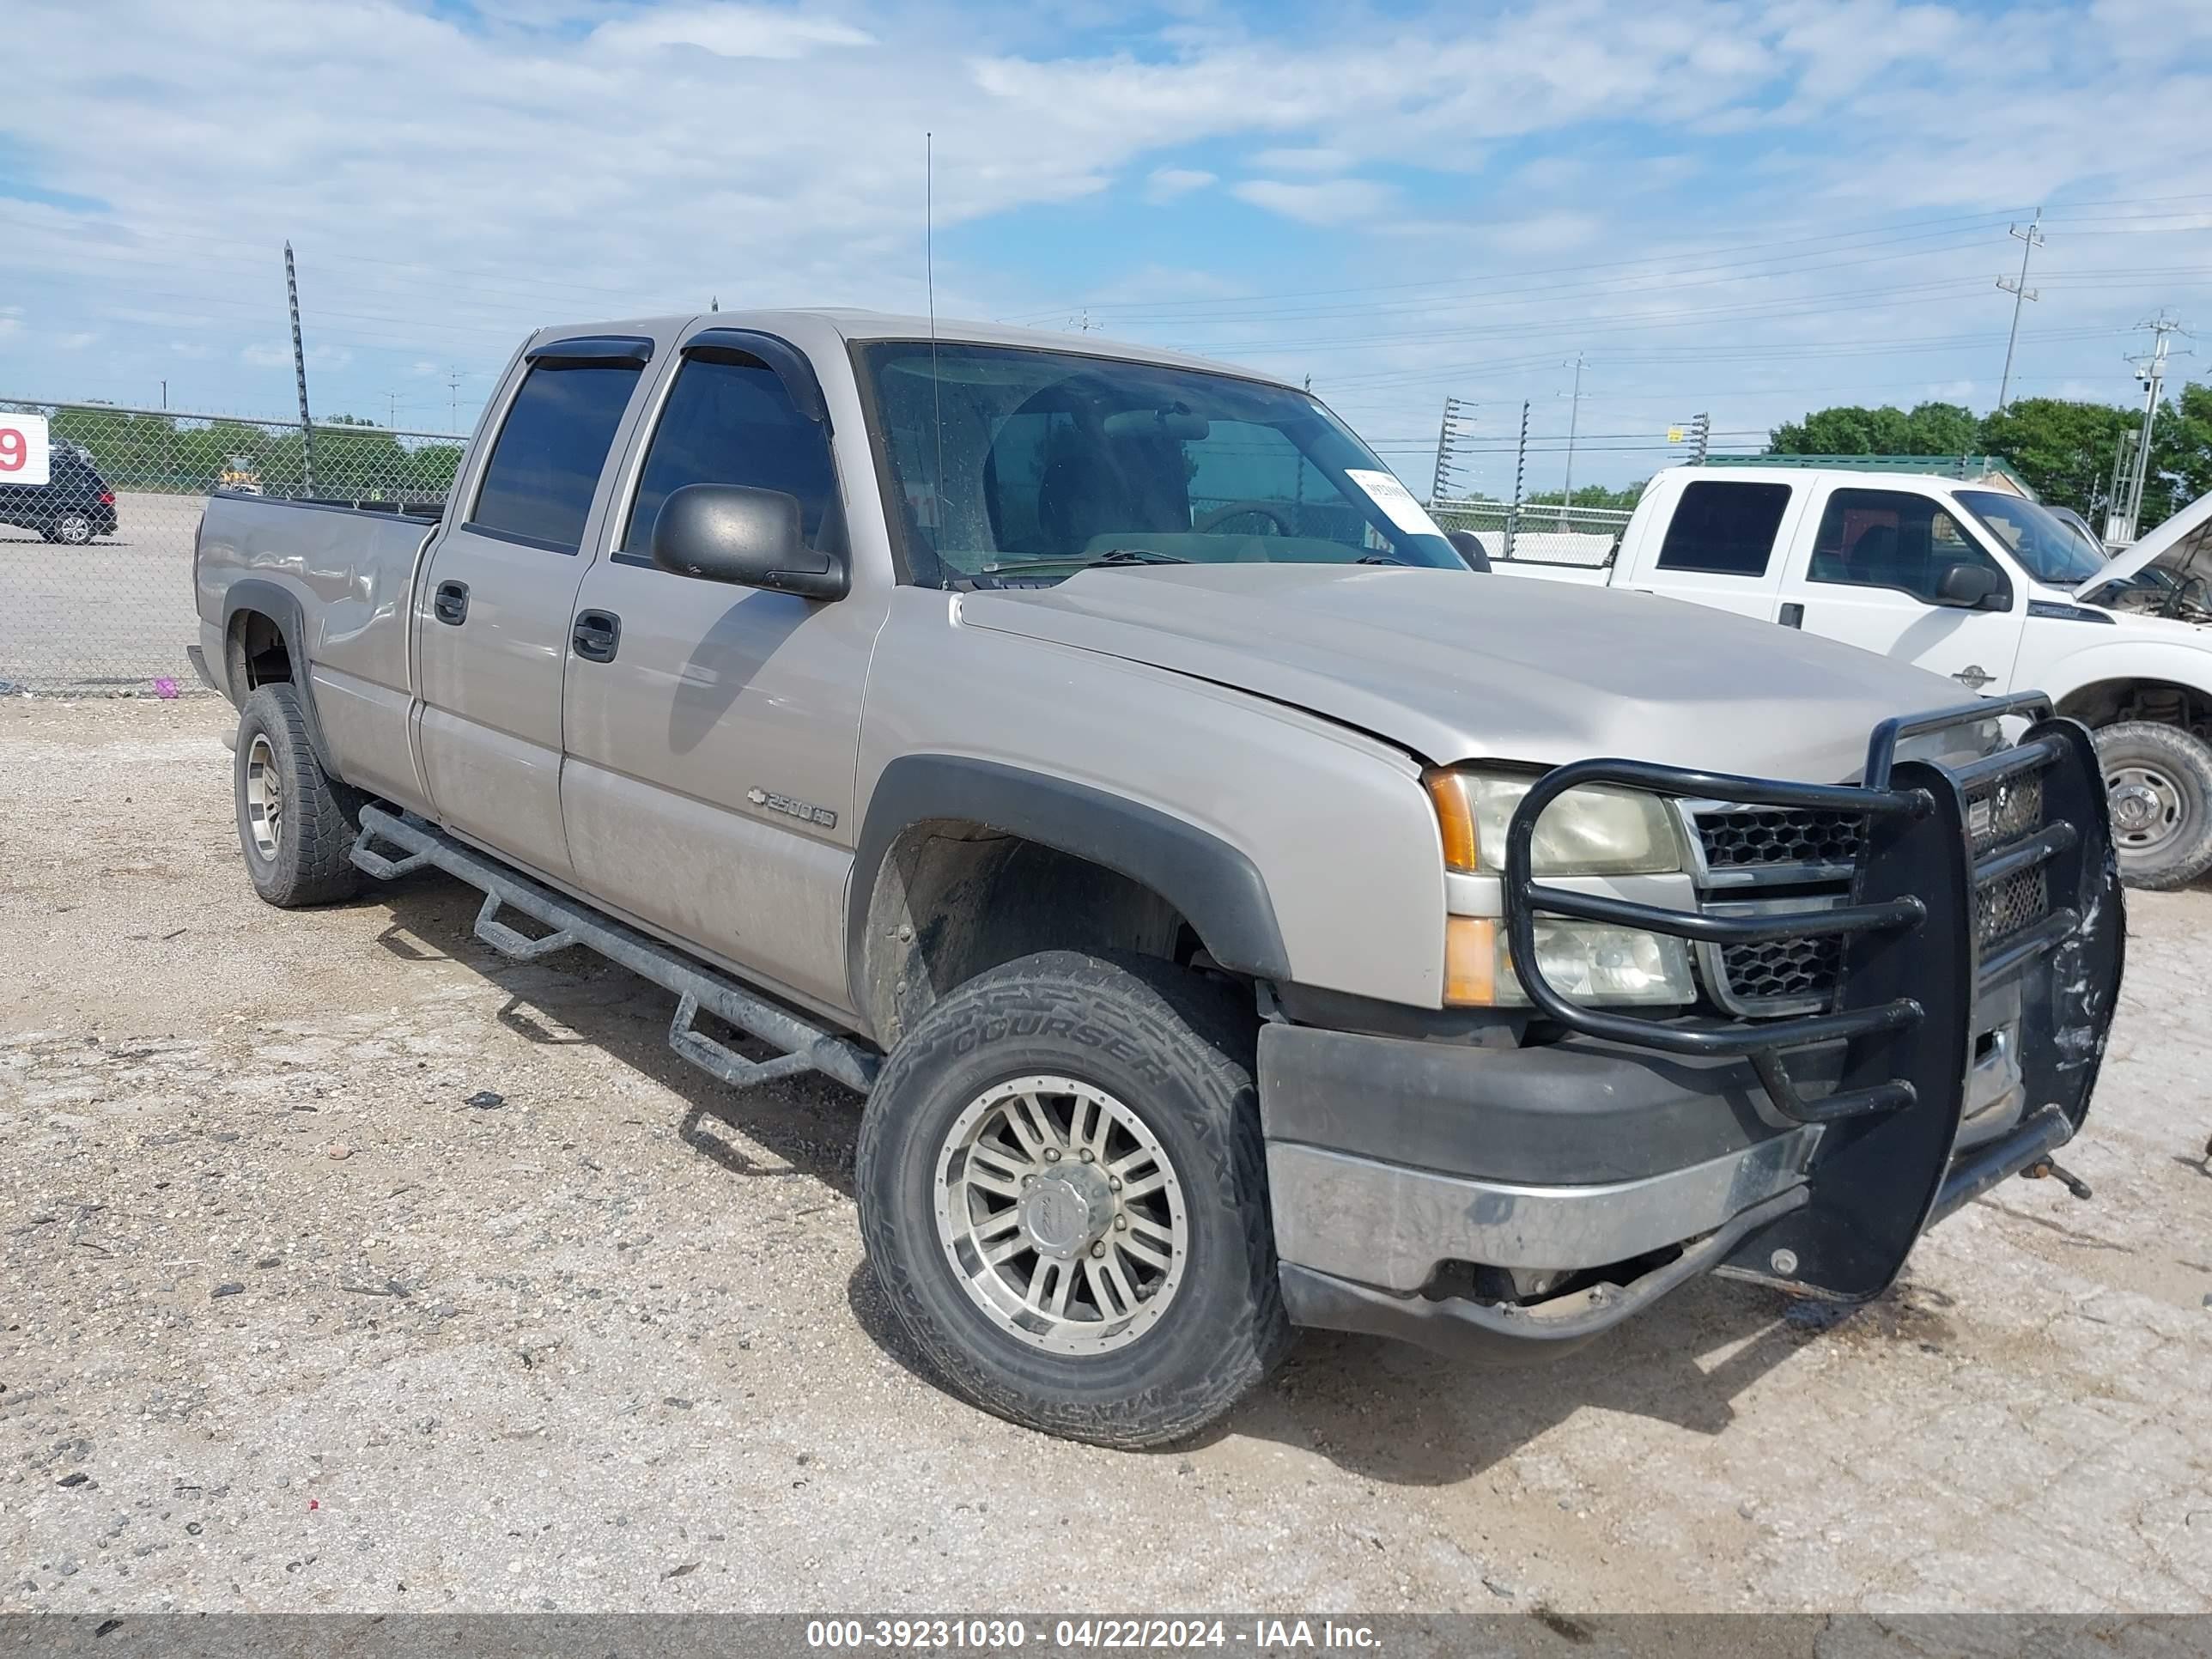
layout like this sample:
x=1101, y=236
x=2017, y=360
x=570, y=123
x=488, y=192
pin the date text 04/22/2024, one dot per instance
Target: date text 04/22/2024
x=1258, y=1635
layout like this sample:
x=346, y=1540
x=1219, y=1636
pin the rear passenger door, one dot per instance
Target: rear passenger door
x=1718, y=549
x=493, y=605
x=713, y=731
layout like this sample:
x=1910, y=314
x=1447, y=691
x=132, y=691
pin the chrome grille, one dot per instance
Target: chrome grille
x=1784, y=970
x=1752, y=837
x=1749, y=849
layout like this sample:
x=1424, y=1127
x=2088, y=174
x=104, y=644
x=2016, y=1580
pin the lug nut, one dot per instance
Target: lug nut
x=1114, y=1183
x=1052, y=1154
x=1120, y=1223
x=1029, y=1181
x=1097, y=1250
x=1087, y=1155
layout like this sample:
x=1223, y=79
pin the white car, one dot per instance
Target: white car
x=1977, y=583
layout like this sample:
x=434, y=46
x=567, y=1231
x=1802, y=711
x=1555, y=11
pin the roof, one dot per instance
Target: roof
x=798, y=322
x=1746, y=469
x=1968, y=469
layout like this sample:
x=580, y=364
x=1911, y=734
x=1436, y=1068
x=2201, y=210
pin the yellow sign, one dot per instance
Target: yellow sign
x=1673, y=434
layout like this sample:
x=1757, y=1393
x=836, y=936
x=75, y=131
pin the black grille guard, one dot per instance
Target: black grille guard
x=1913, y=975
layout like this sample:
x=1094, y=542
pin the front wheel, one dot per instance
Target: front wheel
x=2157, y=779
x=1062, y=1187
x=73, y=530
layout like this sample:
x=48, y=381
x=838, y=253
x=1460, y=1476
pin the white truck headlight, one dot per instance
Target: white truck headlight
x=1595, y=830
x=1585, y=962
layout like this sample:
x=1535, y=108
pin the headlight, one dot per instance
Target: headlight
x=1585, y=962
x=1596, y=830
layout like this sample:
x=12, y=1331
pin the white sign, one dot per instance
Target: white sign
x=23, y=449
x=1396, y=501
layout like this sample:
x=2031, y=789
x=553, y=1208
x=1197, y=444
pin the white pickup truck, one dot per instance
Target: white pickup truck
x=1973, y=582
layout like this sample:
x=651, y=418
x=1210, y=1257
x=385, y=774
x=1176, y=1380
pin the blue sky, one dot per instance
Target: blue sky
x=1743, y=208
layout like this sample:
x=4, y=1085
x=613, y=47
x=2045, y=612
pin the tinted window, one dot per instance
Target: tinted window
x=733, y=423
x=1887, y=538
x=546, y=462
x=1724, y=529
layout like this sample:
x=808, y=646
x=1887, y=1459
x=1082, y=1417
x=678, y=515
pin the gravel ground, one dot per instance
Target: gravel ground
x=291, y=1325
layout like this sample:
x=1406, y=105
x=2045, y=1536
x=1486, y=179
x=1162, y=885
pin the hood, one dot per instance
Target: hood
x=2183, y=544
x=1455, y=667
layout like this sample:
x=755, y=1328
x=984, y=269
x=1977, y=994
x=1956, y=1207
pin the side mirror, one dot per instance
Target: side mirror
x=1470, y=547
x=1971, y=587
x=749, y=538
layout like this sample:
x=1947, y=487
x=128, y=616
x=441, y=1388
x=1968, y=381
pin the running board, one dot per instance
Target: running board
x=804, y=1047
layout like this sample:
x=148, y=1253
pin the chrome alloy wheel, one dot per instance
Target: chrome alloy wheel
x=264, y=797
x=2147, y=806
x=1061, y=1214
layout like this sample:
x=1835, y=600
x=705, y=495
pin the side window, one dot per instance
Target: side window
x=546, y=461
x=729, y=421
x=1724, y=529
x=1889, y=538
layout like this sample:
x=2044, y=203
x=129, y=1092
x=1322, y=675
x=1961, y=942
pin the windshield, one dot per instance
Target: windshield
x=1013, y=466
x=2051, y=549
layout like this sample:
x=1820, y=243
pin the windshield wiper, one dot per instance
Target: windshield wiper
x=1383, y=558
x=1075, y=562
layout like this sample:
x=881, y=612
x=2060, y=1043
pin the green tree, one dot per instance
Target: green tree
x=1928, y=429
x=2063, y=450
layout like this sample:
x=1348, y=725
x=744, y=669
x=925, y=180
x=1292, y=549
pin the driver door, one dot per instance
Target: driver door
x=1871, y=577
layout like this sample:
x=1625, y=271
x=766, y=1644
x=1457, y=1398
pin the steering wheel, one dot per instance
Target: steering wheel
x=1221, y=515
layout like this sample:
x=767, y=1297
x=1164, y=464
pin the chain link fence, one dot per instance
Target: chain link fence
x=96, y=564
x=1540, y=533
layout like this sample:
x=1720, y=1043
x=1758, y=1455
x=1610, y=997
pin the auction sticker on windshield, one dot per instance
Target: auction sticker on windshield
x=1396, y=501
x=23, y=449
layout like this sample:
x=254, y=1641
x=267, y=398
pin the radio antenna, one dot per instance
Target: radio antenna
x=929, y=280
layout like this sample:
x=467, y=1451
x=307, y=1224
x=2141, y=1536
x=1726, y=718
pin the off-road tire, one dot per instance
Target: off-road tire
x=1178, y=1049
x=2185, y=762
x=310, y=863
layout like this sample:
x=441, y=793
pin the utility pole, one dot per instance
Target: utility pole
x=2029, y=240
x=1701, y=432
x=390, y=409
x=2150, y=369
x=1574, y=416
x=300, y=373
x=454, y=398
x=165, y=394
x=1447, y=432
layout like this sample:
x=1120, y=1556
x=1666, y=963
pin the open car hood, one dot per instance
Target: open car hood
x=1451, y=665
x=2183, y=544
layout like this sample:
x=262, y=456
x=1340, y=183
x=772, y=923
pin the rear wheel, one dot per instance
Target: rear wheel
x=1062, y=1187
x=72, y=529
x=295, y=822
x=2158, y=780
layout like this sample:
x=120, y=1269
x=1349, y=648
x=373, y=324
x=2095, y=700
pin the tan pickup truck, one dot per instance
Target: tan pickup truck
x=1239, y=911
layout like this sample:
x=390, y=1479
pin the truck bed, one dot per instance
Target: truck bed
x=337, y=579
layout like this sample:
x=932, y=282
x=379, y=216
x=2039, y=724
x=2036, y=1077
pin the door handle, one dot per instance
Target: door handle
x=1793, y=616
x=451, y=603
x=597, y=635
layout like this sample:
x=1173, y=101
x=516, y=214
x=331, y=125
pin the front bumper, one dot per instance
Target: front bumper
x=1505, y=1202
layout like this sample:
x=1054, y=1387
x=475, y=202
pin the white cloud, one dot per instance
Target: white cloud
x=729, y=31
x=1329, y=202
x=1169, y=183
